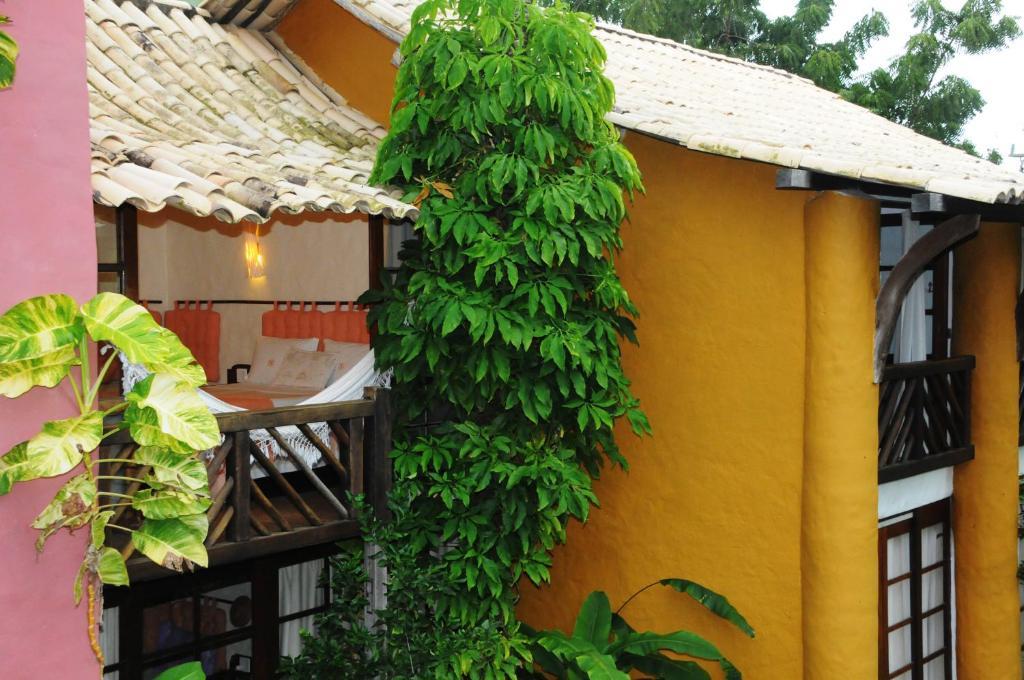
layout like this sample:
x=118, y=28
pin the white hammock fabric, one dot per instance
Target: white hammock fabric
x=346, y=388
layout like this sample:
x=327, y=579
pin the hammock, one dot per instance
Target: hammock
x=346, y=388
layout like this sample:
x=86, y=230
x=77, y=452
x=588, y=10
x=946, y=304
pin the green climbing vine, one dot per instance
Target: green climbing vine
x=507, y=313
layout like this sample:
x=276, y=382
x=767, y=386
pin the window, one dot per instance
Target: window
x=117, y=250
x=915, y=592
x=936, y=307
x=237, y=619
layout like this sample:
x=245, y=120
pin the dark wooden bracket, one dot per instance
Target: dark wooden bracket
x=943, y=238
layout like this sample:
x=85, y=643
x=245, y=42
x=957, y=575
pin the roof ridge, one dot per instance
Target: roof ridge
x=647, y=37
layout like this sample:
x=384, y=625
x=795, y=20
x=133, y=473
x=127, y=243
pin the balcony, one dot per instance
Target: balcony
x=924, y=417
x=267, y=496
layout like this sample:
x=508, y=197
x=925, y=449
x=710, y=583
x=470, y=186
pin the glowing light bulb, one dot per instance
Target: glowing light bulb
x=255, y=266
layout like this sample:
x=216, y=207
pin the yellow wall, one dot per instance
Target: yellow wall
x=985, y=502
x=714, y=258
x=350, y=56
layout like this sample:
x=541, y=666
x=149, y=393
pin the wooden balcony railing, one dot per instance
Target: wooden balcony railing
x=266, y=497
x=924, y=417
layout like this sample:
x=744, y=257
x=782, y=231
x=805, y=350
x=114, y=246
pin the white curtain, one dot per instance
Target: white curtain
x=109, y=640
x=911, y=335
x=933, y=595
x=298, y=590
x=898, y=602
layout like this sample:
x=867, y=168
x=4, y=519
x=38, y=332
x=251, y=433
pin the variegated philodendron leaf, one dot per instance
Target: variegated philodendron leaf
x=15, y=467
x=18, y=377
x=8, y=54
x=168, y=503
x=144, y=425
x=180, y=412
x=70, y=508
x=98, y=528
x=60, y=445
x=181, y=470
x=39, y=326
x=113, y=318
x=110, y=567
x=173, y=543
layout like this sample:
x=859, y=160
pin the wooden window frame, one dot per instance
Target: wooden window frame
x=126, y=235
x=263, y=630
x=939, y=512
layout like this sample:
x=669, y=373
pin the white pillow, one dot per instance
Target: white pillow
x=269, y=357
x=307, y=370
x=349, y=352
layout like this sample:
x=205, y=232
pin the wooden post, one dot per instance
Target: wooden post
x=238, y=460
x=126, y=222
x=266, y=642
x=376, y=250
x=378, y=470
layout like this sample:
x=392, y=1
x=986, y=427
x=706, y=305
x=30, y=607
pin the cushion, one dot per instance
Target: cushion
x=307, y=369
x=349, y=353
x=270, y=356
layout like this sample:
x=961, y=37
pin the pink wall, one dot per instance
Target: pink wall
x=47, y=244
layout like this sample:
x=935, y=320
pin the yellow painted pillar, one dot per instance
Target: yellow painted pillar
x=839, y=546
x=985, y=489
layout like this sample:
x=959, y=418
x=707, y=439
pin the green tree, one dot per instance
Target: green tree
x=910, y=90
x=507, y=313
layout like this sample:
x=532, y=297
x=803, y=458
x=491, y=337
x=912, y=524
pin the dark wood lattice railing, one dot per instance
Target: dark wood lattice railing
x=924, y=417
x=274, y=511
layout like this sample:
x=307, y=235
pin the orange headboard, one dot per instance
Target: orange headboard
x=292, y=321
x=199, y=329
x=345, y=323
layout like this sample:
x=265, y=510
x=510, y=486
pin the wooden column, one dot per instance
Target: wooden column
x=839, y=550
x=266, y=642
x=126, y=218
x=376, y=250
x=985, y=500
x=377, y=454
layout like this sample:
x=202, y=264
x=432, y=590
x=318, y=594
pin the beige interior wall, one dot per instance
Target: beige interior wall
x=321, y=256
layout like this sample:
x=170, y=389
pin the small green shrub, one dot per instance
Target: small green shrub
x=603, y=646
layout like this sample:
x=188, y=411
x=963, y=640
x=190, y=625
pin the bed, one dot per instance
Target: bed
x=341, y=330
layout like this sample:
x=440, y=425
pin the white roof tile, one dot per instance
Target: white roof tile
x=217, y=120
x=724, y=106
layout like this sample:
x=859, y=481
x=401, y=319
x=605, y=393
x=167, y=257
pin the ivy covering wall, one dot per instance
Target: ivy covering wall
x=503, y=324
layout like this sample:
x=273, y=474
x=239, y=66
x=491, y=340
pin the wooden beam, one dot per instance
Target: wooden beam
x=126, y=224
x=809, y=180
x=376, y=250
x=241, y=470
x=142, y=569
x=930, y=203
x=891, y=473
x=378, y=468
x=266, y=640
x=941, y=239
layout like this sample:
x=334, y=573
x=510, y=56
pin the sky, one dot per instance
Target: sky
x=996, y=75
